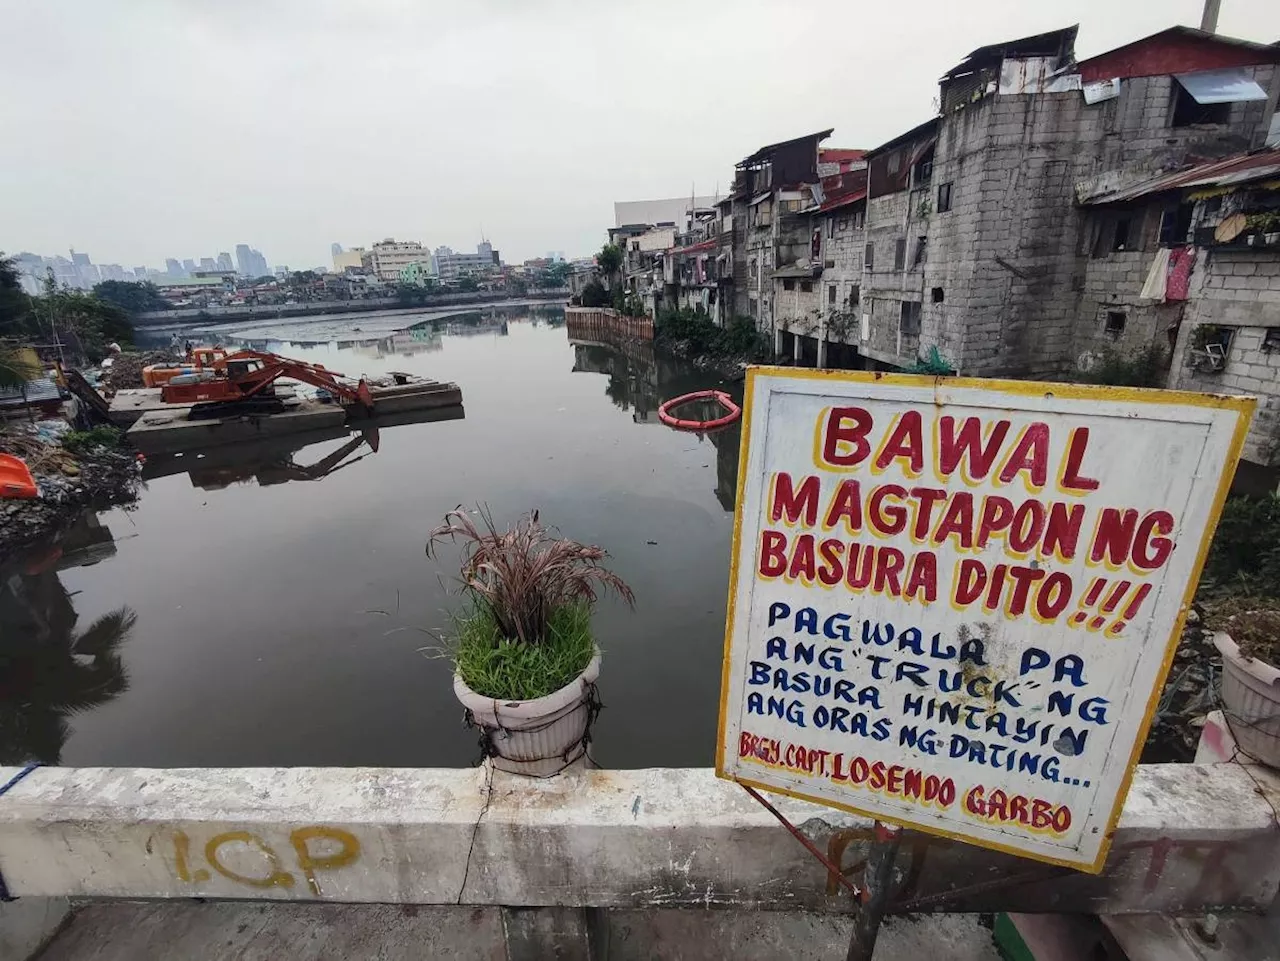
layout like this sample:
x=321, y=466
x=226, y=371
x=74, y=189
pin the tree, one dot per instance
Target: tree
x=555, y=275
x=594, y=295
x=131, y=296
x=609, y=261
x=468, y=282
x=15, y=305
x=303, y=278
x=81, y=318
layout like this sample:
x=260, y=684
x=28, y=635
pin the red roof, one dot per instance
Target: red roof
x=832, y=203
x=1176, y=50
x=831, y=155
x=695, y=248
x=843, y=188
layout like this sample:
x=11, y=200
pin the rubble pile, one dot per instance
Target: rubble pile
x=95, y=476
x=1189, y=694
x=126, y=368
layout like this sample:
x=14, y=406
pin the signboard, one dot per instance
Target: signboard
x=953, y=602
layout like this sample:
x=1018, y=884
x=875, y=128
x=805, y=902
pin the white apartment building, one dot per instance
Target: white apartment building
x=392, y=256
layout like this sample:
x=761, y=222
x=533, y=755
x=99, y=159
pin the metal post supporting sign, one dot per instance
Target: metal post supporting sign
x=953, y=601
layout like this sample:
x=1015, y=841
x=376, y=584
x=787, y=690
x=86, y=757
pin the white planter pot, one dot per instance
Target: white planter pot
x=1251, y=694
x=539, y=737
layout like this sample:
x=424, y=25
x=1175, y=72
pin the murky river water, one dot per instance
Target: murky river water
x=278, y=617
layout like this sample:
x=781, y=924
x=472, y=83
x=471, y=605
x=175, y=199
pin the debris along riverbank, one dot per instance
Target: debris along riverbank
x=74, y=470
x=693, y=336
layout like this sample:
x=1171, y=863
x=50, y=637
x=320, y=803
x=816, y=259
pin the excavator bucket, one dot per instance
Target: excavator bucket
x=366, y=397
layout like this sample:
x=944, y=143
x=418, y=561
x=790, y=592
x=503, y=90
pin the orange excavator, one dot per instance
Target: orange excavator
x=246, y=377
x=197, y=359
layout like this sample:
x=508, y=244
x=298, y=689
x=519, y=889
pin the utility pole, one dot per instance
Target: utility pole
x=1209, y=19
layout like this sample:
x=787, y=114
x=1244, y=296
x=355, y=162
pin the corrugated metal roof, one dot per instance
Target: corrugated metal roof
x=1269, y=53
x=39, y=391
x=1240, y=169
x=695, y=248
x=928, y=128
x=764, y=152
x=1058, y=43
x=842, y=200
x=1233, y=85
x=837, y=154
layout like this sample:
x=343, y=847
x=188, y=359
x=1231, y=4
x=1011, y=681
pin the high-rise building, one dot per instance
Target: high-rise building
x=80, y=260
x=224, y=261
x=335, y=249
x=189, y=265
x=140, y=273
x=208, y=263
x=250, y=262
x=173, y=269
x=111, y=272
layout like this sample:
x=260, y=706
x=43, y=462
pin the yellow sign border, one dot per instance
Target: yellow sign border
x=1243, y=407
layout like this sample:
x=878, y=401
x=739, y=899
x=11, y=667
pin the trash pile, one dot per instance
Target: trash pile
x=73, y=470
x=1190, y=693
x=125, y=371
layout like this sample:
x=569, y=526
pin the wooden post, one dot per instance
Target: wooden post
x=876, y=887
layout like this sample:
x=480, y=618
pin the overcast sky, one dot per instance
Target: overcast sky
x=140, y=129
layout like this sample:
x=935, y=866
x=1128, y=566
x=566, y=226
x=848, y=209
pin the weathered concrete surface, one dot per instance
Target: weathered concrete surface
x=168, y=432
x=696, y=935
x=28, y=923
x=1238, y=937
x=243, y=931
x=1191, y=837
x=230, y=931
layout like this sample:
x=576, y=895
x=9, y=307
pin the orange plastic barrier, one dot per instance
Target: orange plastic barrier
x=719, y=396
x=15, y=479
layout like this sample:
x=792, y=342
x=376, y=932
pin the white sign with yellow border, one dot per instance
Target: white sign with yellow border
x=953, y=601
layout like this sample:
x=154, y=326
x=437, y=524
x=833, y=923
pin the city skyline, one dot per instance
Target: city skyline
x=569, y=142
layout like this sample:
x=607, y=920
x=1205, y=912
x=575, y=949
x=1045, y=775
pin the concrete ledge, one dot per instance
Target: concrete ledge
x=1192, y=837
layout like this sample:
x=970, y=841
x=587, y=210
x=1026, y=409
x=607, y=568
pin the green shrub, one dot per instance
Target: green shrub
x=1141, y=368
x=1245, y=554
x=695, y=329
x=82, y=441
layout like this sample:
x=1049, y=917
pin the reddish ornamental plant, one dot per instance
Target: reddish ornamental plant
x=523, y=574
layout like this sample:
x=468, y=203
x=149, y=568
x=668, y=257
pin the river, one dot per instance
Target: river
x=275, y=617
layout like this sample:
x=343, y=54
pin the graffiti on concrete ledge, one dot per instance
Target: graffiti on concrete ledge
x=247, y=859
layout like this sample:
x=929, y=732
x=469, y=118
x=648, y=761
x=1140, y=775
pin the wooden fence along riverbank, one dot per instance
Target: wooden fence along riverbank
x=605, y=323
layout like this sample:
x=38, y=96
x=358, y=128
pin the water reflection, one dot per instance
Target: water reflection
x=641, y=378
x=280, y=622
x=278, y=460
x=49, y=671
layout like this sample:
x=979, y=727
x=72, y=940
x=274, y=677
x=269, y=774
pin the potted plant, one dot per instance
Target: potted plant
x=525, y=661
x=1247, y=635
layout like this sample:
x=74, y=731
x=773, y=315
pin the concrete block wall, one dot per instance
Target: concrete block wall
x=759, y=254
x=1239, y=290
x=797, y=310
x=843, y=245
x=890, y=218
x=1009, y=256
x=1113, y=283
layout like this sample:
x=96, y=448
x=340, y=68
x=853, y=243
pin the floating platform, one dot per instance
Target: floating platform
x=171, y=432
x=158, y=428
x=418, y=395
